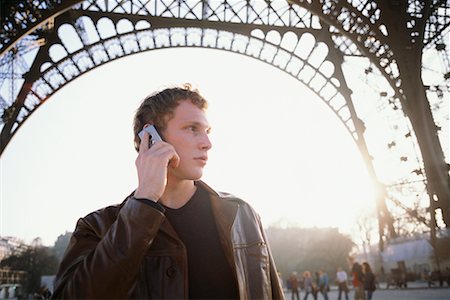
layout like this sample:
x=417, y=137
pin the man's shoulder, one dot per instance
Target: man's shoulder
x=104, y=216
x=222, y=195
x=112, y=209
x=230, y=201
x=230, y=197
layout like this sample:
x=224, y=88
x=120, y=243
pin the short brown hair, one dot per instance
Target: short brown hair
x=158, y=108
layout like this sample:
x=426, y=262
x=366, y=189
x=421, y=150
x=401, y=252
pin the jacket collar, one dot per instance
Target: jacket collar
x=224, y=209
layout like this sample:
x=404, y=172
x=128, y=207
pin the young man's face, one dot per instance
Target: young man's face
x=187, y=132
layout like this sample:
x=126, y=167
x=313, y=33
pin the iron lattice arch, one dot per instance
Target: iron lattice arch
x=47, y=44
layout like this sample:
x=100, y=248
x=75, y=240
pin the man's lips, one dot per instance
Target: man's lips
x=202, y=158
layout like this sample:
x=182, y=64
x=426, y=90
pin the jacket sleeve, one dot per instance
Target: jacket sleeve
x=277, y=290
x=103, y=256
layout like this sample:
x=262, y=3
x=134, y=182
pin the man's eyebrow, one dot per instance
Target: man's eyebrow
x=200, y=124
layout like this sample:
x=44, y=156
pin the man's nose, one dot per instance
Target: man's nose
x=205, y=142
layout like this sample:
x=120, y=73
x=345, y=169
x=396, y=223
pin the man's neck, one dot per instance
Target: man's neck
x=178, y=193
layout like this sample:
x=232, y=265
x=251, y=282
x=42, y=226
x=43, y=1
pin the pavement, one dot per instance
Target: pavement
x=417, y=290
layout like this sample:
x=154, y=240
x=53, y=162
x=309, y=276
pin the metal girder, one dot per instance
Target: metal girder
x=77, y=61
x=391, y=34
x=19, y=18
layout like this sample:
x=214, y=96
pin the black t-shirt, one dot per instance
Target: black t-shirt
x=210, y=275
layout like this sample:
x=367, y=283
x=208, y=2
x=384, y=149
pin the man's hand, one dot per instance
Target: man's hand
x=151, y=164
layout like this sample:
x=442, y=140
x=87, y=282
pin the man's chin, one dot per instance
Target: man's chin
x=197, y=177
x=191, y=174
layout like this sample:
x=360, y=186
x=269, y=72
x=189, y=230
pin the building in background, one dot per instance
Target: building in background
x=10, y=245
x=409, y=258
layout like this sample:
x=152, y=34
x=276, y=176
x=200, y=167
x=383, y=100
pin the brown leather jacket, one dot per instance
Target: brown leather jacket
x=131, y=251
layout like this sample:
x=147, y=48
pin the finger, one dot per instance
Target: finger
x=143, y=146
x=167, y=151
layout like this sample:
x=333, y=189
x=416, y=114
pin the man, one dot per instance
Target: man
x=174, y=237
x=324, y=283
x=294, y=285
x=341, y=277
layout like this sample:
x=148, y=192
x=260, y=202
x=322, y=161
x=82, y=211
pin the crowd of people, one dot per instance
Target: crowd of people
x=310, y=284
x=437, y=277
x=307, y=283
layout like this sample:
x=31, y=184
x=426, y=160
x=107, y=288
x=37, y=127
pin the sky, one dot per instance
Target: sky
x=275, y=144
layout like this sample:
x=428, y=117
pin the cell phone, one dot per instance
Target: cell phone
x=154, y=135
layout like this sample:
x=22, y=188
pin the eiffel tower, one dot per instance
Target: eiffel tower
x=310, y=40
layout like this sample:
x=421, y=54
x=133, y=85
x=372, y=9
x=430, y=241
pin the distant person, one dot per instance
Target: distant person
x=301, y=280
x=174, y=237
x=294, y=285
x=357, y=278
x=430, y=280
x=324, y=286
x=310, y=286
x=369, y=280
x=447, y=273
x=440, y=277
x=317, y=278
x=342, y=278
